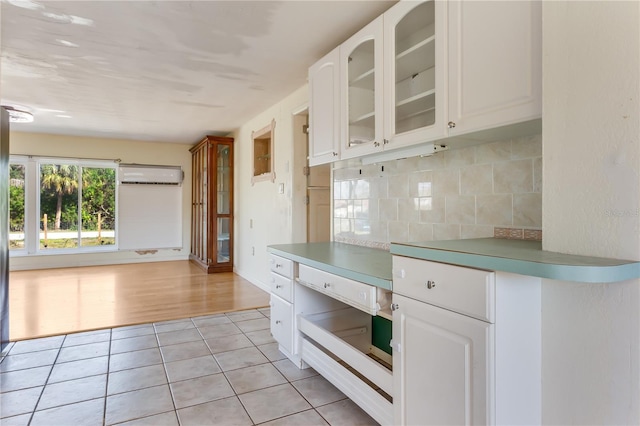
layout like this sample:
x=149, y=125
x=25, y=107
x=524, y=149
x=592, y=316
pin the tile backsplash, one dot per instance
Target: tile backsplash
x=461, y=193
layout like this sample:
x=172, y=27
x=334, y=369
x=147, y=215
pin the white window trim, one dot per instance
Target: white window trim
x=32, y=206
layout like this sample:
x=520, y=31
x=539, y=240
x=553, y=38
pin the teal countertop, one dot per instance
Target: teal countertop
x=521, y=257
x=364, y=264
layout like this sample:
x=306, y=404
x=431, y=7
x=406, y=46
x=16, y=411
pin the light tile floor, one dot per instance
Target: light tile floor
x=221, y=369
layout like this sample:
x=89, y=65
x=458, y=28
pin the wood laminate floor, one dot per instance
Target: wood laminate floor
x=61, y=301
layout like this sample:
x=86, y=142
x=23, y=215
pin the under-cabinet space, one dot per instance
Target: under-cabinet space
x=347, y=333
x=374, y=403
x=338, y=345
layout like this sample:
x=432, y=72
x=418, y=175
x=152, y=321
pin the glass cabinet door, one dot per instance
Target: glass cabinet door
x=414, y=40
x=361, y=58
x=223, y=203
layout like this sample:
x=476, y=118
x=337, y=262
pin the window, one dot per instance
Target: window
x=16, y=206
x=73, y=208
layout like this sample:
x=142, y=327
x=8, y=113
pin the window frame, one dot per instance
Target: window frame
x=33, y=214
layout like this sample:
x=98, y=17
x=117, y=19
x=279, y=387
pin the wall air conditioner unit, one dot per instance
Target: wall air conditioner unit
x=142, y=174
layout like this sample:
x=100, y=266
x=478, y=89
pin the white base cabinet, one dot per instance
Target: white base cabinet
x=441, y=367
x=450, y=367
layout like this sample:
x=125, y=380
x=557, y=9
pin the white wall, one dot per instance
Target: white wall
x=270, y=212
x=591, y=206
x=128, y=151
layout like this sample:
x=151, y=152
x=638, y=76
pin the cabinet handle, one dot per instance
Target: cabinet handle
x=385, y=141
x=335, y=154
x=376, y=144
x=278, y=265
x=327, y=285
x=394, y=307
x=278, y=322
x=278, y=286
x=430, y=284
x=451, y=124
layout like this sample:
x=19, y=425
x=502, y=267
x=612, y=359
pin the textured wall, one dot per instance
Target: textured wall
x=591, y=202
x=462, y=193
x=263, y=216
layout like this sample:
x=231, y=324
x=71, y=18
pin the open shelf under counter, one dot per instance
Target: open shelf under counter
x=338, y=345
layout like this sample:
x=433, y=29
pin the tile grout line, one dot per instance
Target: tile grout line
x=46, y=382
x=106, y=389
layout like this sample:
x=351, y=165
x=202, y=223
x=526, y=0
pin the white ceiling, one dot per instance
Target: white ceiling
x=170, y=71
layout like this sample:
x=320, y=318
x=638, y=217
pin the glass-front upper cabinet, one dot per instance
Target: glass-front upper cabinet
x=361, y=60
x=414, y=38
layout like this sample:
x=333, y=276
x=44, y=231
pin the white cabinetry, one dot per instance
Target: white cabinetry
x=424, y=71
x=282, y=320
x=442, y=366
x=324, y=108
x=414, y=73
x=361, y=61
x=466, y=345
x=494, y=63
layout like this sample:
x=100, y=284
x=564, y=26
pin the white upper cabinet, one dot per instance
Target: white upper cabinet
x=324, y=109
x=361, y=61
x=414, y=68
x=494, y=64
x=424, y=71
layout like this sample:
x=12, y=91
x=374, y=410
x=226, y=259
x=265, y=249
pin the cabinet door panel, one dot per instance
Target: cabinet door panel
x=324, y=109
x=361, y=91
x=414, y=73
x=494, y=63
x=443, y=366
x=282, y=322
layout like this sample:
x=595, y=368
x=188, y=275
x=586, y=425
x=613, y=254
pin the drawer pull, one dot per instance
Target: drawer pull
x=327, y=285
x=278, y=265
x=278, y=322
x=430, y=284
x=278, y=286
x=394, y=307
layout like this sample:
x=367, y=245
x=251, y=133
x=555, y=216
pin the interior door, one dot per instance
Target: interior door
x=4, y=229
x=319, y=212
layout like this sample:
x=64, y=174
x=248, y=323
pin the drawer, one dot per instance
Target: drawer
x=282, y=286
x=464, y=290
x=354, y=293
x=282, y=322
x=280, y=265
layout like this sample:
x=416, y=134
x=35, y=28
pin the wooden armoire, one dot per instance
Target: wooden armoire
x=212, y=204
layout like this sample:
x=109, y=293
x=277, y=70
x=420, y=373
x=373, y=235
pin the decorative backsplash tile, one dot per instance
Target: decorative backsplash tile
x=464, y=193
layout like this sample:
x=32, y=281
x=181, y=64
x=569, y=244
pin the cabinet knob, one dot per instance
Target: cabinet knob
x=385, y=141
x=278, y=322
x=327, y=285
x=335, y=154
x=394, y=307
x=430, y=284
x=278, y=265
x=376, y=144
x=451, y=124
x=278, y=286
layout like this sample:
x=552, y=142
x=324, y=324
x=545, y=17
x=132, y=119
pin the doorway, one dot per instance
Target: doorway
x=312, y=188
